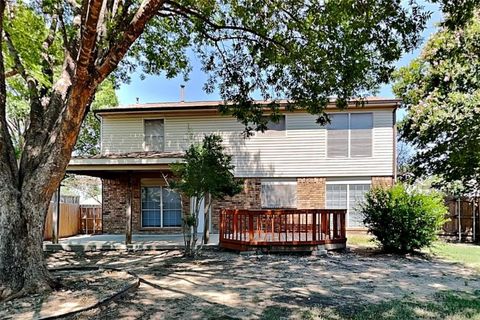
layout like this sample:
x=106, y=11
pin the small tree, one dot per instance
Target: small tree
x=403, y=220
x=206, y=174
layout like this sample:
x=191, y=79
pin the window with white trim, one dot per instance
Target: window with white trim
x=154, y=134
x=347, y=196
x=279, y=194
x=350, y=135
x=161, y=207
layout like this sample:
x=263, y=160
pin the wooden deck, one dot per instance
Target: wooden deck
x=282, y=229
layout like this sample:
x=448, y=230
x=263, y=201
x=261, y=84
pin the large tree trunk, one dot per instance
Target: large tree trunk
x=22, y=265
x=24, y=200
x=26, y=186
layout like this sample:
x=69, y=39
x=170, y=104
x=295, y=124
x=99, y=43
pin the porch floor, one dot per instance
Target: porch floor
x=117, y=242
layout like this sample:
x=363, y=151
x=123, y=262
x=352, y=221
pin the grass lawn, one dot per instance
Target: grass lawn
x=466, y=254
x=454, y=305
x=445, y=305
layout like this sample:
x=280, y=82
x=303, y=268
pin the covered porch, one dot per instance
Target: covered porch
x=117, y=242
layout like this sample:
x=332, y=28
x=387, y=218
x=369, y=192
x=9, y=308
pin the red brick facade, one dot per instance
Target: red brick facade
x=382, y=182
x=310, y=194
x=114, y=193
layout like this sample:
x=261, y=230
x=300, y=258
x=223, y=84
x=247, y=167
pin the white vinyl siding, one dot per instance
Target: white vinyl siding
x=154, y=134
x=301, y=152
x=279, y=194
x=350, y=135
x=347, y=196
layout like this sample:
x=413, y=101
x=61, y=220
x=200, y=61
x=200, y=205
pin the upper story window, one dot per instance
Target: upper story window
x=350, y=135
x=274, y=128
x=154, y=134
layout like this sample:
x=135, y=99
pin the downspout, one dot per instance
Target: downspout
x=394, y=115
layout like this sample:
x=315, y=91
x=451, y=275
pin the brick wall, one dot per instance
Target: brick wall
x=310, y=193
x=382, y=182
x=114, y=203
x=249, y=198
x=115, y=191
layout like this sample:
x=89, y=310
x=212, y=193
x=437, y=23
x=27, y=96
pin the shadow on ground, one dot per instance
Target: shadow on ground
x=224, y=285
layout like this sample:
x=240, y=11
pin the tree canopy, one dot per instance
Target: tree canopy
x=441, y=93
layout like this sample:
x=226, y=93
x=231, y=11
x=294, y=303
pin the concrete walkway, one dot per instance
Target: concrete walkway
x=117, y=242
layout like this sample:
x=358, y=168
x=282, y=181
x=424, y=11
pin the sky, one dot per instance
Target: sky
x=161, y=89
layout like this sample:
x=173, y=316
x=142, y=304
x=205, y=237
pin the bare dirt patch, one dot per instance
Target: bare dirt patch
x=79, y=289
x=224, y=285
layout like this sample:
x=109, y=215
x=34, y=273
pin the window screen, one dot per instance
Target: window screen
x=350, y=135
x=151, y=197
x=361, y=125
x=274, y=128
x=279, y=194
x=355, y=198
x=347, y=196
x=336, y=196
x=172, y=208
x=337, y=135
x=154, y=135
x=161, y=207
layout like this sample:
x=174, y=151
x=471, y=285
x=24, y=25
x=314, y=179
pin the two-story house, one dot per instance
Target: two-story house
x=295, y=164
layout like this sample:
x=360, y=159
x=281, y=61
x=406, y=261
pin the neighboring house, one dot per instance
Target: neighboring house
x=295, y=164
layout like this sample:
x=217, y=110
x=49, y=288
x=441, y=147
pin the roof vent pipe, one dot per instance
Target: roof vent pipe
x=182, y=93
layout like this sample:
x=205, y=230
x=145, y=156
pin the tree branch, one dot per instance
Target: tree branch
x=11, y=73
x=115, y=54
x=189, y=12
x=88, y=39
x=8, y=163
x=36, y=110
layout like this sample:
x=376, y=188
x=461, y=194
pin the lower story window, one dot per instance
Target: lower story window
x=161, y=207
x=279, y=194
x=347, y=196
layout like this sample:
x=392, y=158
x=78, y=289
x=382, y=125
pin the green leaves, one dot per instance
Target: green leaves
x=403, y=220
x=88, y=142
x=302, y=52
x=206, y=169
x=441, y=92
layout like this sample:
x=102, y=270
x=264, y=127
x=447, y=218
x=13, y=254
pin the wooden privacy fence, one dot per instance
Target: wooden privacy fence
x=74, y=219
x=463, y=219
x=243, y=229
x=91, y=219
x=69, y=220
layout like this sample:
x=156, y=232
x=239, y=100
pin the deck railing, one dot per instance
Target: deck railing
x=281, y=227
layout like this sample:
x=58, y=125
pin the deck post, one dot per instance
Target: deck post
x=56, y=217
x=128, y=211
x=250, y=227
x=314, y=225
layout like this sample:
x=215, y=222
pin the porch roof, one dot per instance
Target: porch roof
x=106, y=164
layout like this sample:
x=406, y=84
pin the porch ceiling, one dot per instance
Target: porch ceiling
x=118, y=163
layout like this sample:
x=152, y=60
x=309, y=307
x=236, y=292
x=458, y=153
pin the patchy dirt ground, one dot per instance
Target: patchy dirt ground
x=78, y=289
x=223, y=285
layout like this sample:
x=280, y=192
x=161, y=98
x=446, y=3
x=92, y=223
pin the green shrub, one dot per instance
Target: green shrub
x=402, y=220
